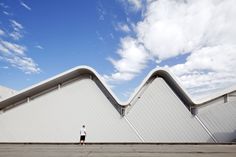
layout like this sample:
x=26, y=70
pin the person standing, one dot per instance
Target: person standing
x=82, y=135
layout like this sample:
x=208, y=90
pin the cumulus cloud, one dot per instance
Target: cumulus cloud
x=172, y=28
x=208, y=69
x=202, y=30
x=133, y=59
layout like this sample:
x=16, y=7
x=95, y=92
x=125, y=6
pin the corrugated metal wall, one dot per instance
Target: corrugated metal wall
x=220, y=119
x=159, y=116
x=156, y=115
x=57, y=116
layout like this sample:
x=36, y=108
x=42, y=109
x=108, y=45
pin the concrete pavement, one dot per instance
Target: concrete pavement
x=117, y=150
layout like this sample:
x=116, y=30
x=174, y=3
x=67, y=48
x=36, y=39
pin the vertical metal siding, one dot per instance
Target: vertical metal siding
x=159, y=116
x=220, y=120
x=57, y=116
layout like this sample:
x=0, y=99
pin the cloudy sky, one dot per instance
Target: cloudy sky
x=122, y=39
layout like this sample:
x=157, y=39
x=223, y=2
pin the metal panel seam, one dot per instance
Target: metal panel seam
x=135, y=130
x=206, y=129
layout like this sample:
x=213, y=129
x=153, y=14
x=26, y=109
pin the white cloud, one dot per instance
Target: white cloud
x=39, y=47
x=17, y=30
x=3, y=49
x=25, y=6
x=18, y=49
x=128, y=93
x=15, y=55
x=122, y=27
x=101, y=11
x=208, y=69
x=16, y=25
x=136, y=4
x=24, y=63
x=133, y=60
x=16, y=35
x=205, y=29
x=172, y=28
x=202, y=30
x=6, y=13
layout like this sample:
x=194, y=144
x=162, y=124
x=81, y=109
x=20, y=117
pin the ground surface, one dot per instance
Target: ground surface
x=115, y=150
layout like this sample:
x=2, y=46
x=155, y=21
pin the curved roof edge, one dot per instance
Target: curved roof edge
x=171, y=80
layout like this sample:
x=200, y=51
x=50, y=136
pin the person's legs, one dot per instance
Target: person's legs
x=82, y=140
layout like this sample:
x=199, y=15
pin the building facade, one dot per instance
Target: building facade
x=159, y=111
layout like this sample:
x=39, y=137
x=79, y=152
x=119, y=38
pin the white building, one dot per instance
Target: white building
x=159, y=111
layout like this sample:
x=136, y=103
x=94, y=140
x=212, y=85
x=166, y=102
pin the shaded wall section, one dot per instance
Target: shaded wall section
x=220, y=119
x=159, y=116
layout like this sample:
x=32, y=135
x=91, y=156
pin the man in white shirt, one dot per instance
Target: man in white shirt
x=82, y=134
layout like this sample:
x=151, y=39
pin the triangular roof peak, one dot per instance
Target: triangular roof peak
x=83, y=69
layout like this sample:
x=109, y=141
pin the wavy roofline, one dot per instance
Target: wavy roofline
x=171, y=80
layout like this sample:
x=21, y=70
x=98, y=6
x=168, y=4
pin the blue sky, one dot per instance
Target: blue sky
x=123, y=40
x=62, y=35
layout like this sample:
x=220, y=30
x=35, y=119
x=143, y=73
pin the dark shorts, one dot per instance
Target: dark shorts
x=82, y=138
